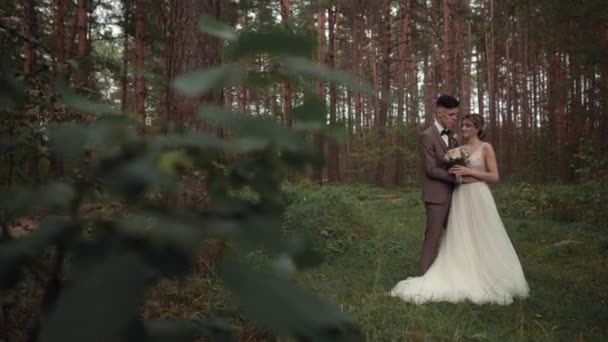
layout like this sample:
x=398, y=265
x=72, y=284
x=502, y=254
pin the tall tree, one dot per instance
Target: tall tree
x=82, y=27
x=491, y=70
x=358, y=36
x=140, y=86
x=447, y=49
x=403, y=41
x=557, y=107
x=28, y=27
x=319, y=140
x=333, y=167
x=384, y=26
x=604, y=66
x=287, y=89
x=59, y=11
x=124, y=80
x=466, y=57
x=189, y=49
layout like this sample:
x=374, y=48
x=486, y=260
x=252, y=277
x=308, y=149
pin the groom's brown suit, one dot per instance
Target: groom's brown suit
x=437, y=187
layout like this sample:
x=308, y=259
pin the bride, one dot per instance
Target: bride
x=476, y=260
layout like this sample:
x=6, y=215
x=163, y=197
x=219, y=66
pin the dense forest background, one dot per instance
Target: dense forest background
x=179, y=163
x=536, y=70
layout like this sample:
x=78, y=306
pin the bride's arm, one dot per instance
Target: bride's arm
x=489, y=176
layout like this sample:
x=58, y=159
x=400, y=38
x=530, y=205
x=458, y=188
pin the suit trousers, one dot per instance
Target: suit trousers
x=436, y=221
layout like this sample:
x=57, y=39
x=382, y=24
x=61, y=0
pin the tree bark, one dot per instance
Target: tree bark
x=403, y=39
x=28, y=27
x=509, y=127
x=59, y=35
x=428, y=92
x=491, y=69
x=287, y=91
x=333, y=155
x=124, y=80
x=465, y=85
x=80, y=78
x=604, y=120
x=357, y=56
x=385, y=46
x=319, y=140
x=525, y=113
x=557, y=106
x=480, y=84
x=190, y=50
x=447, y=51
x=140, y=86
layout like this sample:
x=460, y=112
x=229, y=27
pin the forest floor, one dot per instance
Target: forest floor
x=371, y=239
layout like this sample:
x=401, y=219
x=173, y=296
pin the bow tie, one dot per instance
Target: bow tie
x=446, y=132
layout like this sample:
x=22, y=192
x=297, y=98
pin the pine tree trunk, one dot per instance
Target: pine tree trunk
x=385, y=45
x=59, y=38
x=403, y=39
x=480, y=84
x=140, y=87
x=525, y=114
x=446, y=44
x=319, y=140
x=557, y=107
x=491, y=69
x=190, y=50
x=428, y=92
x=287, y=91
x=509, y=127
x=28, y=27
x=358, y=64
x=465, y=85
x=604, y=119
x=82, y=26
x=124, y=81
x=374, y=61
x=333, y=167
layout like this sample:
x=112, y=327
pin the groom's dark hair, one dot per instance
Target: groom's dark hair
x=447, y=101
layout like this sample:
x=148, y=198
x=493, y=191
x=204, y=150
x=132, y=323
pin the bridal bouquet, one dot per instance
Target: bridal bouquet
x=456, y=156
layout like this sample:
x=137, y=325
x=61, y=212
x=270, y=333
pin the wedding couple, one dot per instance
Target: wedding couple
x=466, y=254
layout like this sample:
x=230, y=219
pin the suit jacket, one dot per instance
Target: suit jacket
x=437, y=183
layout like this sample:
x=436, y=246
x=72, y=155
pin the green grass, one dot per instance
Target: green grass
x=569, y=282
x=565, y=264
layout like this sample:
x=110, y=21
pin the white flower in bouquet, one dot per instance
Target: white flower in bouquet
x=456, y=156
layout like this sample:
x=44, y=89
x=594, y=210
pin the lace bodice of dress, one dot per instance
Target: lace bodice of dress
x=476, y=160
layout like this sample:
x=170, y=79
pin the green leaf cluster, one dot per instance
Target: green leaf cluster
x=103, y=265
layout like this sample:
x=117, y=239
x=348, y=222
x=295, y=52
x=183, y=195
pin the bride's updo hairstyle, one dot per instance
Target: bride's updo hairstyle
x=478, y=122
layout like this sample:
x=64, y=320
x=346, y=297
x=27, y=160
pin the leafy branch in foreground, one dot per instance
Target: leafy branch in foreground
x=113, y=260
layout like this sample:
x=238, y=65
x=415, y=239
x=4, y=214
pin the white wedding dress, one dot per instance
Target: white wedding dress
x=476, y=260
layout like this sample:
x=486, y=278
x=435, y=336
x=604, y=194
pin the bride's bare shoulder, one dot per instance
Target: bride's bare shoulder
x=487, y=148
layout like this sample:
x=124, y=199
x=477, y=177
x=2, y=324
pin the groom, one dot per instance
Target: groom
x=437, y=183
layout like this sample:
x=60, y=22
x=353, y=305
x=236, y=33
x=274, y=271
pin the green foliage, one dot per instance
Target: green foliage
x=218, y=29
x=272, y=41
x=332, y=218
x=110, y=261
x=203, y=81
x=565, y=203
x=564, y=264
x=365, y=152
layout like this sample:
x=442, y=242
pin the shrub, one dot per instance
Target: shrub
x=331, y=216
